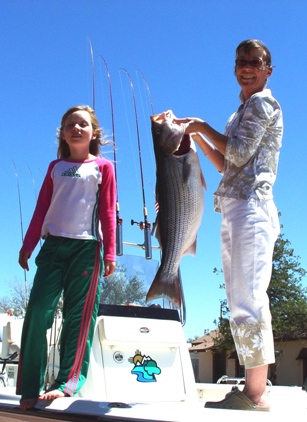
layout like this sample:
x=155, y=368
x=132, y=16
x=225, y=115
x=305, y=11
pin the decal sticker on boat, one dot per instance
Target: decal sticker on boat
x=145, y=368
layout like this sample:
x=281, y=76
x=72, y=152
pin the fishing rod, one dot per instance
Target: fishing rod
x=93, y=73
x=47, y=378
x=119, y=233
x=119, y=220
x=144, y=225
x=22, y=237
x=152, y=113
x=33, y=182
x=148, y=90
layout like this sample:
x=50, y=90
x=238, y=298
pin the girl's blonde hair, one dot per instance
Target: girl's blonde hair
x=63, y=148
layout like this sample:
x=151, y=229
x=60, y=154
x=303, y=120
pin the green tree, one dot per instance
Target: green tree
x=118, y=288
x=288, y=298
x=16, y=302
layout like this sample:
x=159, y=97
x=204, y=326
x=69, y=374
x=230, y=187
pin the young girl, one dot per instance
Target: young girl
x=75, y=214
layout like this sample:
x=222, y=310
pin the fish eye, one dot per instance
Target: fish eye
x=158, y=131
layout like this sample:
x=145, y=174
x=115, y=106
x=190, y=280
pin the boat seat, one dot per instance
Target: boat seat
x=11, y=337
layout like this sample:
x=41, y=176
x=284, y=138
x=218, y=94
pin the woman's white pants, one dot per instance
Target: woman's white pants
x=248, y=234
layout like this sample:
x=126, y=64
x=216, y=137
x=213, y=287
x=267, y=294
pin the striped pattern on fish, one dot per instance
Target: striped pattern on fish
x=179, y=193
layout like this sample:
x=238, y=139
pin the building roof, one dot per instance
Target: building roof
x=204, y=343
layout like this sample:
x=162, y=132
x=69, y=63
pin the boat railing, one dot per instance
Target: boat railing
x=225, y=379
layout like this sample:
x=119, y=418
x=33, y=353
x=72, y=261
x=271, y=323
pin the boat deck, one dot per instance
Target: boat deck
x=286, y=402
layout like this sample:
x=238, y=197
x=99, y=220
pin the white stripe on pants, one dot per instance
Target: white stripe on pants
x=248, y=234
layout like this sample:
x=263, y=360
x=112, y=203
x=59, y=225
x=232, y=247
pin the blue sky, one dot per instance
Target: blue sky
x=185, y=49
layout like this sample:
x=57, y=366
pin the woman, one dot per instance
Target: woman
x=247, y=155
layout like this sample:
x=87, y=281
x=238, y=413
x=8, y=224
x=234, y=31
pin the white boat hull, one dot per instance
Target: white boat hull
x=140, y=370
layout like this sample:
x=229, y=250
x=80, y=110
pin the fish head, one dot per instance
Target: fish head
x=167, y=135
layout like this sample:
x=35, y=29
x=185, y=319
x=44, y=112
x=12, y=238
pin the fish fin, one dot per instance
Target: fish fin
x=186, y=170
x=155, y=231
x=191, y=249
x=154, y=228
x=166, y=287
x=203, y=182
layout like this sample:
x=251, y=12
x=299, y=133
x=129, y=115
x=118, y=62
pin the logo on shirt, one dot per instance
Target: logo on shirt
x=72, y=172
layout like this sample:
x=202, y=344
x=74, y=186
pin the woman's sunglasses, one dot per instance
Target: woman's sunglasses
x=257, y=63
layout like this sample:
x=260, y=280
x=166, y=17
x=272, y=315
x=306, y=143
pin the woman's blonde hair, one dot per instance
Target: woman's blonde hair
x=63, y=148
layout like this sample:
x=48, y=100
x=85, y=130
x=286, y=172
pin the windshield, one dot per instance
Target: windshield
x=130, y=283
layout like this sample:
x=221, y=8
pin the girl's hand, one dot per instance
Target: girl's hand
x=109, y=267
x=23, y=259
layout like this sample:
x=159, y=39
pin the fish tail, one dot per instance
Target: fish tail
x=169, y=287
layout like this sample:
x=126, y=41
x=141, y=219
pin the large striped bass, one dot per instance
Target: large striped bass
x=179, y=193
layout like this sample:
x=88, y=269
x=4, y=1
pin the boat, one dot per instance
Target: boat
x=140, y=370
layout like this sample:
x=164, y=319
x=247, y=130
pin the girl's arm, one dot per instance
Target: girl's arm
x=34, y=231
x=107, y=215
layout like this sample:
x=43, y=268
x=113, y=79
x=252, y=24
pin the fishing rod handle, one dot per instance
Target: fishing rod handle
x=119, y=239
x=147, y=243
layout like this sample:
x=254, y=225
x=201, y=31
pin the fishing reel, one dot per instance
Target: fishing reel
x=142, y=224
x=145, y=225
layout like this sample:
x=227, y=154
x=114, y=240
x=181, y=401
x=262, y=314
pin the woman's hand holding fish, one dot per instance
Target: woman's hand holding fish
x=194, y=124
